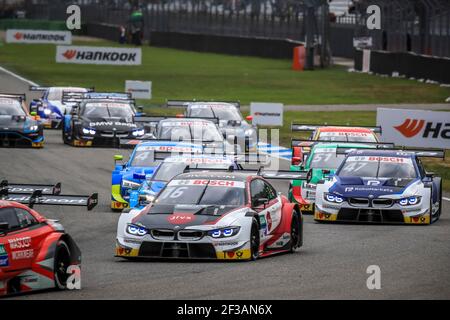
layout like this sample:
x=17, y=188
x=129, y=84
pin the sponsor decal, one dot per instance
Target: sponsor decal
x=224, y=244
x=99, y=55
x=413, y=127
x=23, y=254
x=112, y=123
x=38, y=36
x=343, y=134
x=186, y=123
x=4, y=262
x=410, y=128
x=210, y=183
x=19, y=243
x=181, y=218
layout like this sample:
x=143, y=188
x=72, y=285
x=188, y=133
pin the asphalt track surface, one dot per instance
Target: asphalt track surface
x=414, y=260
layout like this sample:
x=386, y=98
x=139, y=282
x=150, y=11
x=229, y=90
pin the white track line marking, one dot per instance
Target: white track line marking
x=31, y=83
x=446, y=199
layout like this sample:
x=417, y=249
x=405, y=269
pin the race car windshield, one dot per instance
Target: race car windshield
x=328, y=160
x=191, y=194
x=222, y=113
x=144, y=158
x=167, y=171
x=347, y=137
x=11, y=108
x=378, y=167
x=108, y=110
x=179, y=132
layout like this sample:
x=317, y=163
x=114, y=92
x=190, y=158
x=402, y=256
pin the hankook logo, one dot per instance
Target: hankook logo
x=412, y=127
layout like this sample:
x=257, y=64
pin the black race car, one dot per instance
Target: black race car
x=100, y=123
x=17, y=126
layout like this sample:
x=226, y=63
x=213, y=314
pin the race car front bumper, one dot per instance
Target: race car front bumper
x=394, y=215
x=18, y=139
x=306, y=206
x=198, y=250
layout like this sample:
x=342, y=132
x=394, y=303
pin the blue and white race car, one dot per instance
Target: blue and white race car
x=142, y=163
x=381, y=186
x=51, y=107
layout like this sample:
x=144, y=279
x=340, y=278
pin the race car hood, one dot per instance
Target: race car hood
x=365, y=187
x=236, y=128
x=180, y=216
x=12, y=123
x=109, y=124
x=128, y=173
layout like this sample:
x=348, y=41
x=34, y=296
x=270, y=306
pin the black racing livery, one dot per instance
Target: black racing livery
x=101, y=122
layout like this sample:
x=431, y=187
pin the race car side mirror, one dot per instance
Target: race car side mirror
x=4, y=226
x=33, y=113
x=249, y=118
x=118, y=157
x=260, y=201
x=180, y=115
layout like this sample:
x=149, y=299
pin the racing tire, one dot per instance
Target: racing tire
x=254, y=240
x=295, y=233
x=62, y=262
x=437, y=215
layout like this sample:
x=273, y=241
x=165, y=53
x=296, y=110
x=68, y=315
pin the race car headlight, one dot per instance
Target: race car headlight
x=88, y=131
x=139, y=133
x=47, y=112
x=410, y=201
x=130, y=184
x=330, y=197
x=136, y=230
x=224, y=232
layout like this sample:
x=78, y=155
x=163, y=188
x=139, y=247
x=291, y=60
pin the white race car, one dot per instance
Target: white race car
x=213, y=215
x=381, y=186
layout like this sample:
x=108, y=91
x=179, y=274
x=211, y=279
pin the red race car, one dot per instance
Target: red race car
x=36, y=253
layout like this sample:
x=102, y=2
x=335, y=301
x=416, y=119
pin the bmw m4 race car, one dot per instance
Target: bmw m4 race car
x=202, y=131
x=17, y=126
x=142, y=163
x=100, y=123
x=231, y=122
x=213, y=215
x=172, y=166
x=35, y=252
x=333, y=133
x=50, y=107
x=381, y=186
x=321, y=162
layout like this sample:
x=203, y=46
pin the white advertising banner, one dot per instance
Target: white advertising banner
x=415, y=128
x=99, y=55
x=139, y=89
x=38, y=36
x=267, y=114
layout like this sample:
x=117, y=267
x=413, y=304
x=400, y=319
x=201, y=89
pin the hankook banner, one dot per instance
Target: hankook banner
x=99, y=55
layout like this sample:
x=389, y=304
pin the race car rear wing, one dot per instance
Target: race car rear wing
x=38, y=197
x=270, y=175
x=301, y=127
x=30, y=188
x=422, y=153
x=38, y=88
x=157, y=119
x=127, y=143
x=19, y=96
x=186, y=103
x=109, y=95
x=301, y=143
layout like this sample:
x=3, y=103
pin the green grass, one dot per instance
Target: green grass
x=185, y=75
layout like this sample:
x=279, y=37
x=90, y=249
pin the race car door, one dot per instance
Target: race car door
x=24, y=234
x=268, y=206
